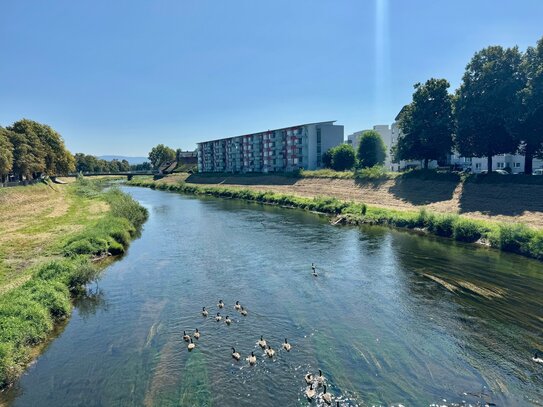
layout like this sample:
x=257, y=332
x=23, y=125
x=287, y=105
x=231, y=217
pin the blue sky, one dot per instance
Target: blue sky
x=117, y=77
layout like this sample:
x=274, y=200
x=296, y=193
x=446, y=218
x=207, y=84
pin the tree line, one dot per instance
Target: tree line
x=29, y=149
x=498, y=109
x=90, y=163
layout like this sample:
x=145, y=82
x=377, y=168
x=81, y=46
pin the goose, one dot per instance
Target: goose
x=243, y=312
x=270, y=352
x=252, y=358
x=287, y=346
x=262, y=342
x=309, y=378
x=237, y=306
x=314, y=270
x=310, y=392
x=235, y=354
x=204, y=312
x=327, y=397
x=320, y=378
x=186, y=337
x=220, y=304
x=227, y=320
x=197, y=334
x=537, y=357
x=218, y=317
x=191, y=345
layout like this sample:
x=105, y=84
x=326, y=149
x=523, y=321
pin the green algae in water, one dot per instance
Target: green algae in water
x=195, y=386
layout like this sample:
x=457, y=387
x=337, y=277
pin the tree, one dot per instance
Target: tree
x=160, y=154
x=427, y=123
x=46, y=145
x=28, y=157
x=327, y=159
x=530, y=127
x=485, y=103
x=371, y=150
x=6, y=154
x=343, y=157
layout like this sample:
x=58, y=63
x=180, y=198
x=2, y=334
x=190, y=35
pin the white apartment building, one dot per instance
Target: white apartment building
x=279, y=150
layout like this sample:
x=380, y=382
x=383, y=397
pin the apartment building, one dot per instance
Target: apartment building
x=279, y=150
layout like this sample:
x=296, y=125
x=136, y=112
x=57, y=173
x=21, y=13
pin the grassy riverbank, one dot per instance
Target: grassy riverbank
x=516, y=238
x=91, y=224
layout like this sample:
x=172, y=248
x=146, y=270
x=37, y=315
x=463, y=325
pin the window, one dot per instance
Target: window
x=478, y=166
x=501, y=165
x=517, y=165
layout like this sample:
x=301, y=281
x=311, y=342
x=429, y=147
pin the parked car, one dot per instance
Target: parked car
x=501, y=172
x=538, y=171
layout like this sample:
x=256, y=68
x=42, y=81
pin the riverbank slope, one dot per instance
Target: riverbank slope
x=502, y=198
x=48, y=236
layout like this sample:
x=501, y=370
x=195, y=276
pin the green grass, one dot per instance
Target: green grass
x=29, y=312
x=518, y=238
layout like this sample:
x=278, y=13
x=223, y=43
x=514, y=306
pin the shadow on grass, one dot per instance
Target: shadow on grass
x=245, y=179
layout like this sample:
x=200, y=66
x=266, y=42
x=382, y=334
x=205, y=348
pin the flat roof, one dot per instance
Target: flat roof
x=265, y=131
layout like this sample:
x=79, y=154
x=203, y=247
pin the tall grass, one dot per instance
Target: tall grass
x=28, y=313
x=518, y=239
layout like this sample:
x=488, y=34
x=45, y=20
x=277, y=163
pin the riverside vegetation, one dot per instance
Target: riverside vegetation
x=515, y=238
x=29, y=312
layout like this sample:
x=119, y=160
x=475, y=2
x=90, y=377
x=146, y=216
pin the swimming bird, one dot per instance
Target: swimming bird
x=204, y=312
x=314, y=270
x=186, y=337
x=270, y=352
x=327, y=397
x=310, y=392
x=235, y=354
x=220, y=304
x=227, y=320
x=262, y=342
x=309, y=378
x=191, y=345
x=320, y=378
x=252, y=358
x=218, y=317
x=237, y=306
x=537, y=357
x=287, y=346
x=243, y=311
x=197, y=334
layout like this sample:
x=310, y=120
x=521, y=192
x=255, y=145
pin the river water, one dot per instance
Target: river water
x=392, y=318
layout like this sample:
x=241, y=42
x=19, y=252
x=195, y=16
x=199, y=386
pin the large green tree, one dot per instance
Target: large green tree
x=161, y=154
x=57, y=160
x=427, y=123
x=28, y=155
x=343, y=157
x=530, y=128
x=371, y=150
x=485, y=103
x=6, y=154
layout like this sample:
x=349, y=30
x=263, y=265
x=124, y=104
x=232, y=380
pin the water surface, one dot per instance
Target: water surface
x=392, y=318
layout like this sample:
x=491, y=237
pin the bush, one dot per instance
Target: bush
x=343, y=157
x=377, y=172
x=466, y=230
x=514, y=238
x=443, y=225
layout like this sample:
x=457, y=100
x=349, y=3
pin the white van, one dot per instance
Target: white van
x=538, y=171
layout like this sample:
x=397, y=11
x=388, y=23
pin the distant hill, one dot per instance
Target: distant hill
x=131, y=160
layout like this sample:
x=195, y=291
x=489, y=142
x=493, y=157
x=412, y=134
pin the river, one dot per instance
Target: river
x=393, y=318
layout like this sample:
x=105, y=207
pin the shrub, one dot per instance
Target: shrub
x=377, y=172
x=466, y=230
x=514, y=238
x=443, y=225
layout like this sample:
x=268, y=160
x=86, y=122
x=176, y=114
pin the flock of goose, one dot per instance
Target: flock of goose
x=313, y=381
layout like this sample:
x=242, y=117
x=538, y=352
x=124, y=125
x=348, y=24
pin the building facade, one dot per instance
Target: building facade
x=280, y=150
